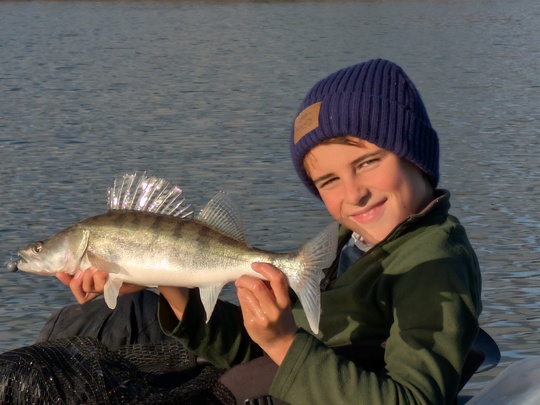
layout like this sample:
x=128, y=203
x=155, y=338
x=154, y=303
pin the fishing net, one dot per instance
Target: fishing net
x=82, y=370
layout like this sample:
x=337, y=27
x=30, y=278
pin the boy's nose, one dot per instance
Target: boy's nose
x=355, y=194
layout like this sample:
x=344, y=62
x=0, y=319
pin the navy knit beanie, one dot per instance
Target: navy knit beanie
x=375, y=101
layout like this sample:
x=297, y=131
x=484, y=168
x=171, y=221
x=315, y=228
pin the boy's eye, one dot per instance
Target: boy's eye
x=326, y=183
x=366, y=163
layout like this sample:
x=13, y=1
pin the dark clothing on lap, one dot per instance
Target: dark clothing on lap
x=133, y=321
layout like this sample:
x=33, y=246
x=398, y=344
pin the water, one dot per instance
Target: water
x=204, y=93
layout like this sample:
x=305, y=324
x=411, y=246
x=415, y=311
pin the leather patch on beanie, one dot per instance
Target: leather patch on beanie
x=306, y=121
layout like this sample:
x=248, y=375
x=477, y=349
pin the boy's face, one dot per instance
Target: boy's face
x=367, y=189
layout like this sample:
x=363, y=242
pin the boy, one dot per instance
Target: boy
x=407, y=276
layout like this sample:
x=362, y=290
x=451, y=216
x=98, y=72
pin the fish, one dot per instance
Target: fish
x=150, y=237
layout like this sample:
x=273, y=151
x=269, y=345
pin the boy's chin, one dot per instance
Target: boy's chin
x=365, y=233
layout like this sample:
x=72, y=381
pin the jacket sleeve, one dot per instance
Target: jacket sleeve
x=223, y=340
x=435, y=311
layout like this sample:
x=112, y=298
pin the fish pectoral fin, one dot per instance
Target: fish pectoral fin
x=209, y=297
x=102, y=264
x=112, y=287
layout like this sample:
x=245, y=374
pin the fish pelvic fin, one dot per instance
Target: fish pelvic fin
x=316, y=255
x=222, y=214
x=209, y=296
x=111, y=290
x=139, y=192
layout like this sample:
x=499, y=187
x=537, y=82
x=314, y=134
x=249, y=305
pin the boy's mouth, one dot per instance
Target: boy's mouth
x=369, y=214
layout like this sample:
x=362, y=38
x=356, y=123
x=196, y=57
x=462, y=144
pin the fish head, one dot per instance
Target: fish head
x=31, y=260
x=61, y=253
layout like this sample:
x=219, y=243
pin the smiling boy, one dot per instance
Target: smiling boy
x=405, y=285
x=365, y=188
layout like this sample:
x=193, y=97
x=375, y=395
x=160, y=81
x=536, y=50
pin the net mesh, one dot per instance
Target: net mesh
x=82, y=370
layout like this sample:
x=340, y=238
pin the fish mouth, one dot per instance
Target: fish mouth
x=15, y=265
x=22, y=259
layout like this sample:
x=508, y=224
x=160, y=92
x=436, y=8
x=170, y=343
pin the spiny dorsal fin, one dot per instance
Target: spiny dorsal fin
x=139, y=192
x=222, y=213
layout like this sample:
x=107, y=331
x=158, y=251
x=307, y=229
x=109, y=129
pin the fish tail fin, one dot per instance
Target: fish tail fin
x=316, y=255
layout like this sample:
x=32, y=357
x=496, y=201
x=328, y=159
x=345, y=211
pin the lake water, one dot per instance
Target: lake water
x=203, y=93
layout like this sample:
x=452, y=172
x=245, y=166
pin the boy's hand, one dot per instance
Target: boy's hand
x=90, y=283
x=266, y=309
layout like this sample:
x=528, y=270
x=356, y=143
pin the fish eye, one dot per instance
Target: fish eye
x=38, y=247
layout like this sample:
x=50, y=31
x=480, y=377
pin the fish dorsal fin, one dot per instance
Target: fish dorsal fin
x=140, y=192
x=222, y=213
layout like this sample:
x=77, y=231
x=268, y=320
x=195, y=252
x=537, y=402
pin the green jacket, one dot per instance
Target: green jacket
x=418, y=290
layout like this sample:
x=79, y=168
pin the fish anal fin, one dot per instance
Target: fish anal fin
x=209, y=296
x=222, y=214
x=111, y=290
x=102, y=264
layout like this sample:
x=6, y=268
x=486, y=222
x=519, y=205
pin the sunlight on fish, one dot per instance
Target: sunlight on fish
x=150, y=237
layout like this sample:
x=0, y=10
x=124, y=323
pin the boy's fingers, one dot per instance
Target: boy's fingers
x=249, y=304
x=278, y=282
x=86, y=285
x=259, y=291
x=76, y=287
x=64, y=278
x=94, y=280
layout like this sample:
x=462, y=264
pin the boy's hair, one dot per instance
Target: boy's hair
x=341, y=140
x=374, y=101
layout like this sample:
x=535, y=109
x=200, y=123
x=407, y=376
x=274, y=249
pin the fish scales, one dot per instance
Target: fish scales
x=150, y=238
x=136, y=238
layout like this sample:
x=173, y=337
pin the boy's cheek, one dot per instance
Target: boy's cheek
x=331, y=206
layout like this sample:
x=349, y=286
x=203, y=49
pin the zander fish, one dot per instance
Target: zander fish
x=150, y=237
